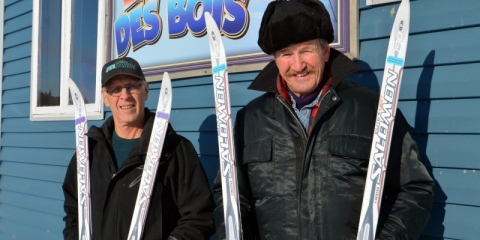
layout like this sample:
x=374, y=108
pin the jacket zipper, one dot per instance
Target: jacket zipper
x=300, y=184
x=112, y=166
x=304, y=153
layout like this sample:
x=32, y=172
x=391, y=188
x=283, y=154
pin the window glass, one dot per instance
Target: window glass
x=84, y=48
x=49, y=53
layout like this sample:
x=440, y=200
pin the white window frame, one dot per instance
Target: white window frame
x=65, y=111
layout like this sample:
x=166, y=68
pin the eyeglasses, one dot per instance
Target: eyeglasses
x=132, y=88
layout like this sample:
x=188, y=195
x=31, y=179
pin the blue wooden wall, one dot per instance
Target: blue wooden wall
x=440, y=97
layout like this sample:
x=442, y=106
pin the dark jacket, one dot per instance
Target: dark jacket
x=294, y=186
x=181, y=204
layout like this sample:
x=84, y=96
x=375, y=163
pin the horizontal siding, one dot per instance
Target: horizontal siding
x=453, y=222
x=19, y=22
x=20, y=95
x=443, y=116
x=16, y=110
x=18, y=51
x=202, y=80
x=12, y=230
x=453, y=185
x=20, y=124
x=202, y=119
x=451, y=47
x=33, y=171
x=426, y=237
x=439, y=96
x=33, y=219
x=23, y=36
x=46, y=189
x=450, y=150
x=35, y=203
x=19, y=8
x=61, y=140
x=54, y=157
x=426, y=16
x=201, y=96
x=197, y=119
x=16, y=81
x=17, y=67
x=429, y=81
x=444, y=81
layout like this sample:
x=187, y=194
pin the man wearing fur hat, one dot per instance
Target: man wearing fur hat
x=303, y=146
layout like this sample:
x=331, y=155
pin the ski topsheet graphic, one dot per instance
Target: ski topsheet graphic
x=225, y=131
x=152, y=159
x=385, y=120
x=83, y=169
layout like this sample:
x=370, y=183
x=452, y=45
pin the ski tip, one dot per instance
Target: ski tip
x=165, y=98
x=75, y=94
x=210, y=22
x=207, y=14
x=166, y=81
x=404, y=7
x=208, y=17
x=71, y=84
x=166, y=77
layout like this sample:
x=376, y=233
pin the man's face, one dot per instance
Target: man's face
x=302, y=65
x=126, y=98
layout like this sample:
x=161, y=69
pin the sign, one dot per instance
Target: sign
x=171, y=35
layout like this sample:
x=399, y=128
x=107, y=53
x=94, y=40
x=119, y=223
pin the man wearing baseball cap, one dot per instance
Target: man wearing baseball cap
x=302, y=167
x=181, y=203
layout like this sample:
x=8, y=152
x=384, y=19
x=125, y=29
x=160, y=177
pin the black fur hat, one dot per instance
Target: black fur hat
x=290, y=22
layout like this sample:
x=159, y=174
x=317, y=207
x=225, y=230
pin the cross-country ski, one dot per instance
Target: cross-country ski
x=225, y=131
x=385, y=120
x=152, y=159
x=83, y=169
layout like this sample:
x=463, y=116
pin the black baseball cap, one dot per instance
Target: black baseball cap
x=121, y=66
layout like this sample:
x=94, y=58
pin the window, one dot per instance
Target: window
x=67, y=42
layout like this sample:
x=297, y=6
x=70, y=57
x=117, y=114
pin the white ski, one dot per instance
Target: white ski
x=160, y=126
x=226, y=148
x=385, y=120
x=83, y=169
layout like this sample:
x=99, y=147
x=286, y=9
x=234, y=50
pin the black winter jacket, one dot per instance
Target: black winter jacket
x=294, y=186
x=181, y=205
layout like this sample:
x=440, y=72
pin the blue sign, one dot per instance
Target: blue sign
x=171, y=35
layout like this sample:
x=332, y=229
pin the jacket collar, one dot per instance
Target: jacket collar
x=105, y=132
x=340, y=65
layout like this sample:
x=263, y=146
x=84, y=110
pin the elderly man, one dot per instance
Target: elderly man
x=302, y=167
x=181, y=205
